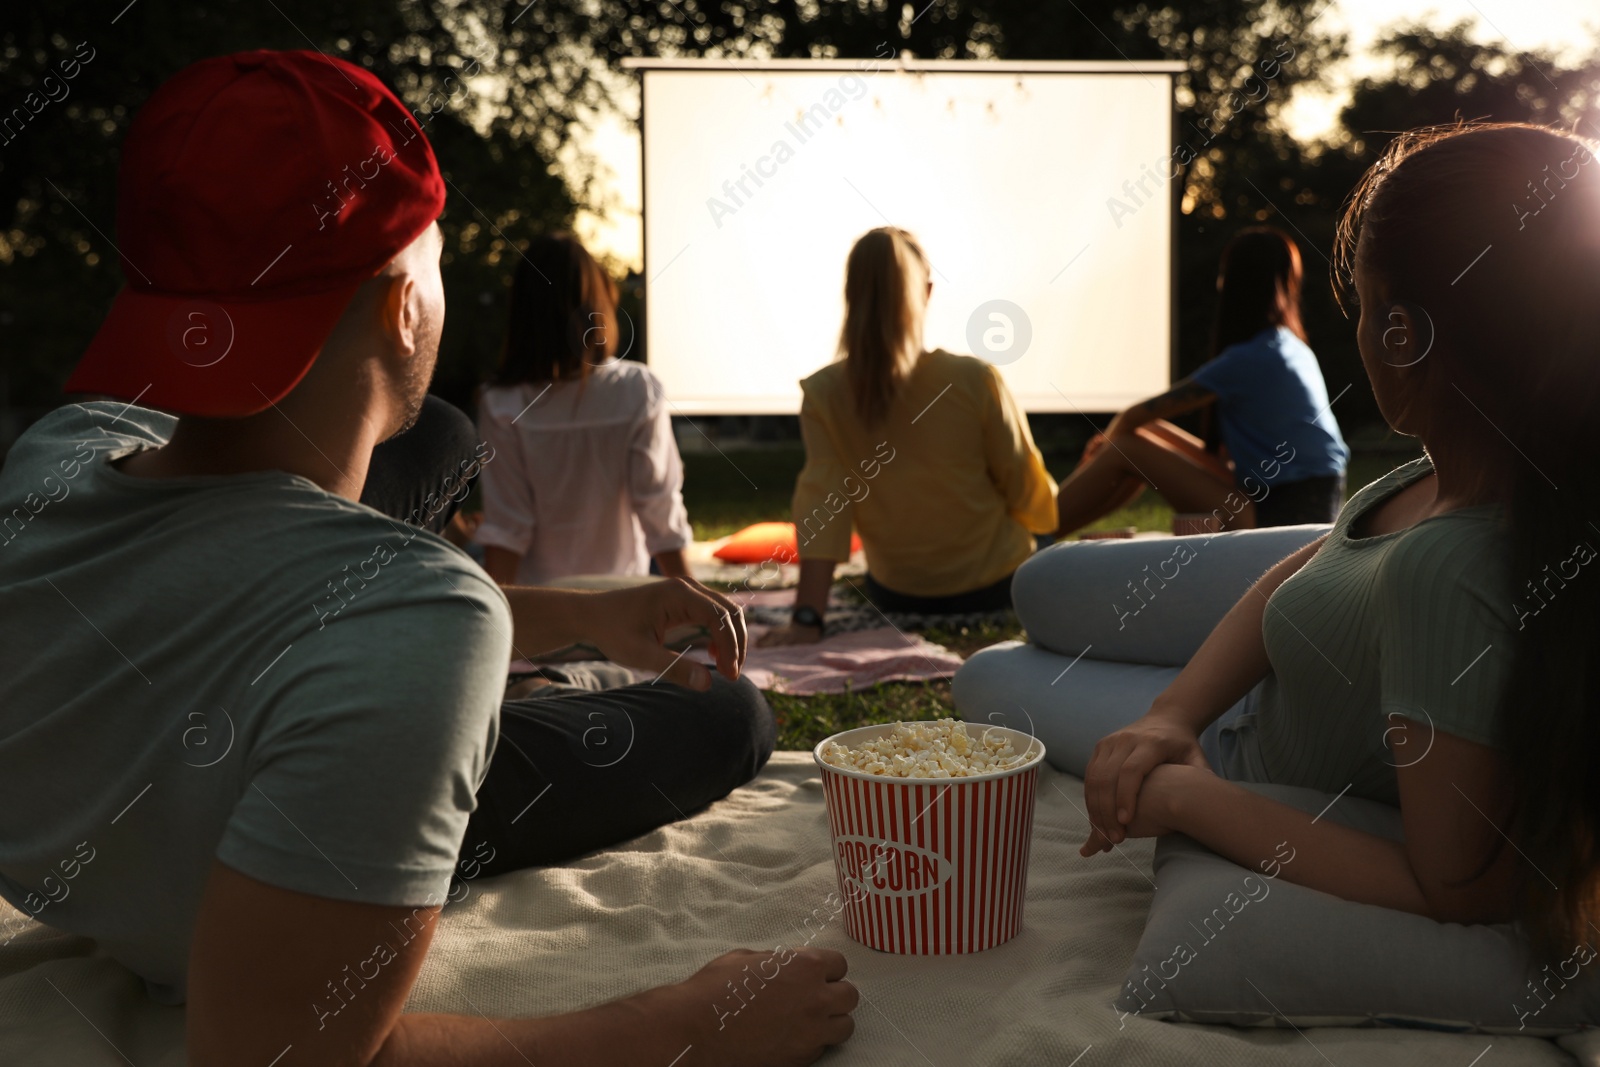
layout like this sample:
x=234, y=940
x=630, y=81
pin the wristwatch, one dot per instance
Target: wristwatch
x=806, y=616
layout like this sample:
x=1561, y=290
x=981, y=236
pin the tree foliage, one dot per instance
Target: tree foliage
x=533, y=71
x=520, y=85
x=1443, y=74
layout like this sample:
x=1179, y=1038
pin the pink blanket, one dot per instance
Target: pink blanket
x=851, y=660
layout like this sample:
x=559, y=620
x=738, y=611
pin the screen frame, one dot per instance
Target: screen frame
x=1169, y=69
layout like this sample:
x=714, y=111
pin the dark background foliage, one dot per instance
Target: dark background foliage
x=506, y=146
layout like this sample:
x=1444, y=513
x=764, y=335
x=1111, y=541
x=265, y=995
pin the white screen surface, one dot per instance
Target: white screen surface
x=1005, y=178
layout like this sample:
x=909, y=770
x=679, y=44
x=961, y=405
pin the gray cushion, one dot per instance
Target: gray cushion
x=1151, y=600
x=1227, y=945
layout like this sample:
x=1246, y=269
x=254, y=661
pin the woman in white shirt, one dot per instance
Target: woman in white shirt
x=585, y=477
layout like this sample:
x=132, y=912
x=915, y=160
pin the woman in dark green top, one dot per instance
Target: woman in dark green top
x=1436, y=649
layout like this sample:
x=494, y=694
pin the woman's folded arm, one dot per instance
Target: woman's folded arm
x=1224, y=668
x=1454, y=864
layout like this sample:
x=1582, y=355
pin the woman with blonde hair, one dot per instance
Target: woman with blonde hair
x=923, y=452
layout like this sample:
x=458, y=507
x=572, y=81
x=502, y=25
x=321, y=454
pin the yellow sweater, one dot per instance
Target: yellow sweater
x=946, y=493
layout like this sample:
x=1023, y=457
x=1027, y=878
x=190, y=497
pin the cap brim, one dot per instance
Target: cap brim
x=194, y=356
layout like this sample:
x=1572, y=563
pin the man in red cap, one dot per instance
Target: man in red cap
x=253, y=716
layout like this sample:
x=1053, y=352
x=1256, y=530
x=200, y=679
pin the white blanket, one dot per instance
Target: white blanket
x=749, y=871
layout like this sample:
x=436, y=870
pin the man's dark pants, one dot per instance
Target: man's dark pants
x=576, y=768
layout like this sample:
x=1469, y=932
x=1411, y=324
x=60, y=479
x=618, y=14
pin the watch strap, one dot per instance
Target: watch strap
x=805, y=615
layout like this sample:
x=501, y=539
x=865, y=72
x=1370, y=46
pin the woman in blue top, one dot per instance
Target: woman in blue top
x=1270, y=404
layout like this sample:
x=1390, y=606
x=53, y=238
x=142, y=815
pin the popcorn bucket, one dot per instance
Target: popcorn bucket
x=932, y=866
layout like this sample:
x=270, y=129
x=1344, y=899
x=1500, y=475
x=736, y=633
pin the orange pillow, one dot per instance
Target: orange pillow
x=765, y=541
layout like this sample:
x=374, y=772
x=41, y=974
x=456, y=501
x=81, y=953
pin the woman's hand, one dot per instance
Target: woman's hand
x=792, y=634
x=461, y=528
x=816, y=577
x=1096, y=445
x=1155, y=811
x=1114, y=780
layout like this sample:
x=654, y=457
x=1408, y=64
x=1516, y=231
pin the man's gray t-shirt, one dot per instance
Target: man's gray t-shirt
x=243, y=668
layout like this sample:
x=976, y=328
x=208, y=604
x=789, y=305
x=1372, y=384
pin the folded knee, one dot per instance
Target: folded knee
x=741, y=716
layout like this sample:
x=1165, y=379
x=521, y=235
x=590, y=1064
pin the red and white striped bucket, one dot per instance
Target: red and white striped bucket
x=931, y=866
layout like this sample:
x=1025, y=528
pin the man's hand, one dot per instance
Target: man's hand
x=792, y=634
x=628, y=626
x=1116, y=773
x=780, y=1008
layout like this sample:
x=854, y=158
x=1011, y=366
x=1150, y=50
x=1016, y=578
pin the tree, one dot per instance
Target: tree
x=523, y=75
x=1441, y=75
x=535, y=70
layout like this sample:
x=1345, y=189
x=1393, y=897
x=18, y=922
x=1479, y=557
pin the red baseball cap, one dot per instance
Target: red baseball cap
x=257, y=191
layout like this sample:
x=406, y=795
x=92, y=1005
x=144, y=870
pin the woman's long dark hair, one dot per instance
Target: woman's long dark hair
x=1261, y=274
x=1494, y=232
x=563, y=314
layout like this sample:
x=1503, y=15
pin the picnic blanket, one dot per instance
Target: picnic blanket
x=848, y=614
x=752, y=870
x=837, y=663
x=862, y=648
x=852, y=660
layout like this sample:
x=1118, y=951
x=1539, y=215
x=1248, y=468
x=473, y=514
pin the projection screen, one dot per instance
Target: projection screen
x=1040, y=192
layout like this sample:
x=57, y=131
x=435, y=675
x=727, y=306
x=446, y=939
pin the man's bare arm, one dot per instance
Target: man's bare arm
x=282, y=977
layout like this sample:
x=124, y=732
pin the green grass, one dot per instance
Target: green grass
x=727, y=491
x=1149, y=512
x=803, y=721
